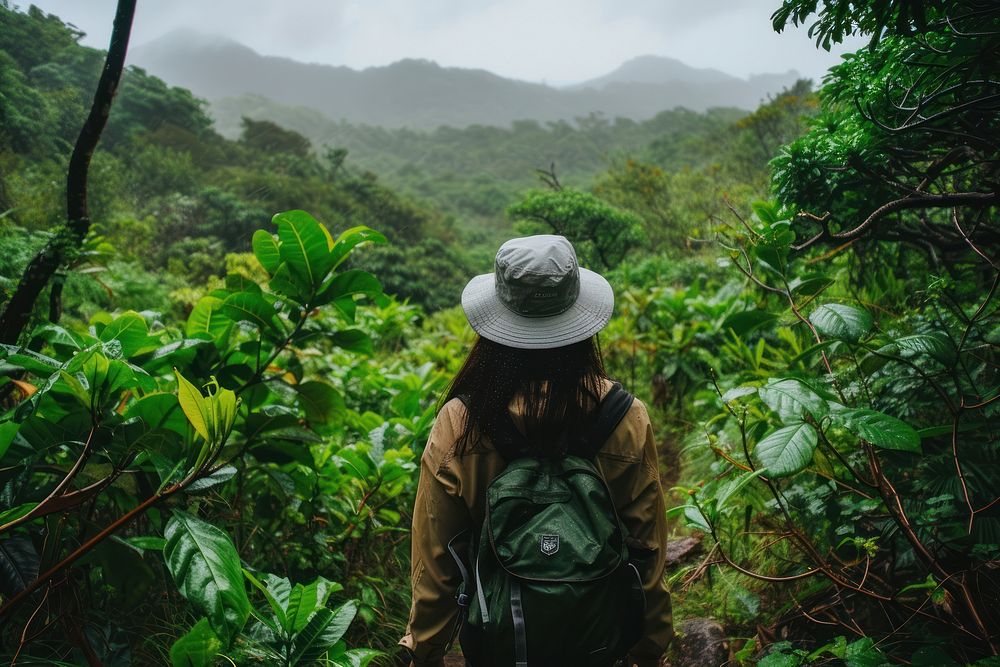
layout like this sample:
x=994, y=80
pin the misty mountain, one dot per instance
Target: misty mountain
x=660, y=70
x=421, y=94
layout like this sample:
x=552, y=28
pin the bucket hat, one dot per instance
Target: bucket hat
x=538, y=297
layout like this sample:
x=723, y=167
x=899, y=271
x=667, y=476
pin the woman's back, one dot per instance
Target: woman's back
x=452, y=500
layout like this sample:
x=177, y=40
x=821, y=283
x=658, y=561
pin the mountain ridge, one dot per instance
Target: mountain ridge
x=421, y=94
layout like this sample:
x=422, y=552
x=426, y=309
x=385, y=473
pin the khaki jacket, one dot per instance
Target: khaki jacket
x=451, y=498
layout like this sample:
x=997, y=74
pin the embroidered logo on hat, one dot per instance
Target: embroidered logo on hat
x=537, y=276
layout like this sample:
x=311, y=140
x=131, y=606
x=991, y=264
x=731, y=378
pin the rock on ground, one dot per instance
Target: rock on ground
x=700, y=642
x=682, y=550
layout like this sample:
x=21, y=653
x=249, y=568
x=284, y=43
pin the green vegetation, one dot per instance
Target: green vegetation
x=212, y=449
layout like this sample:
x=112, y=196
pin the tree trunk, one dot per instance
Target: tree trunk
x=48, y=260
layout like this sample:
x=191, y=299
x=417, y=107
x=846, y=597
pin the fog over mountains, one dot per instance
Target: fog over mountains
x=423, y=95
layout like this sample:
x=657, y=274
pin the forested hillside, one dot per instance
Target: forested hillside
x=475, y=171
x=420, y=94
x=214, y=412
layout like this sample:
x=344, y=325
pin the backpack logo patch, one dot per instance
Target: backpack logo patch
x=549, y=544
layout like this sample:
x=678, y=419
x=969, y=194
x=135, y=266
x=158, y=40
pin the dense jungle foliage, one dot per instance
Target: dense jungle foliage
x=213, y=419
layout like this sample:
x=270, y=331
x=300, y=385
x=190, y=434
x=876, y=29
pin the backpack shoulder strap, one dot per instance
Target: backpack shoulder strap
x=612, y=409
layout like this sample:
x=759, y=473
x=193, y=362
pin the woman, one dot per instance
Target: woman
x=537, y=363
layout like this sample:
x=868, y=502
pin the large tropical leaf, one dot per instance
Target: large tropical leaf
x=353, y=340
x=206, y=568
x=8, y=431
x=787, y=450
x=355, y=657
x=159, y=410
x=265, y=248
x=835, y=320
x=349, y=238
x=253, y=308
x=747, y=321
x=305, y=247
x=323, y=631
x=349, y=283
x=285, y=284
x=320, y=400
x=207, y=317
x=878, y=428
x=18, y=564
x=197, y=648
x=305, y=600
x=792, y=399
x=936, y=345
x=220, y=476
x=131, y=332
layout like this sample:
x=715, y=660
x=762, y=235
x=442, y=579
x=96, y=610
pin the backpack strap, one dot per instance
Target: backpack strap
x=612, y=409
x=510, y=443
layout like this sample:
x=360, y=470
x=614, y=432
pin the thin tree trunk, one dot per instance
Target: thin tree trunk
x=44, y=265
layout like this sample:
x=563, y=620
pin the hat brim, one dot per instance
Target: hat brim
x=491, y=319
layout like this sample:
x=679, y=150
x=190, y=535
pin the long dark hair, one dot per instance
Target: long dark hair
x=557, y=387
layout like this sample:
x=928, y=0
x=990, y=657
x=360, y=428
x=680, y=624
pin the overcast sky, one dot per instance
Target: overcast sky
x=558, y=41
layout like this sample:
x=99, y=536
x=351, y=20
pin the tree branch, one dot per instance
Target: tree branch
x=48, y=260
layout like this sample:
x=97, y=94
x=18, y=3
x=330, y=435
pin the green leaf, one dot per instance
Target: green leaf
x=19, y=563
x=197, y=648
x=303, y=602
x=737, y=393
x=104, y=377
x=835, y=320
x=29, y=360
x=131, y=332
x=57, y=336
x=276, y=592
x=159, y=410
x=787, y=450
x=736, y=485
x=810, y=284
x=206, y=568
x=353, y=340
x=349, y=283
x=220, y=476
x=16, y=512
x=145, y=542
x=253, y=308
x=304, y=247
x=878, y=428
x=222, y=404
x=265, y=248
x=350, y=238
x=207, y=317
x=283, y=283
x=237, y=282
x=320, y=400
x=748, y=321
x=792, y=399
x=323, y=631
x=357, y=657
x=179, y=352
x=936, y=345
x=347, y=306
x=696, y=518
x=8, y=430
x=194, y=405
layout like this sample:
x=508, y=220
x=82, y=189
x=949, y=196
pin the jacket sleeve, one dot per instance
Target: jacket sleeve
x=438, y=515
x=645, y=517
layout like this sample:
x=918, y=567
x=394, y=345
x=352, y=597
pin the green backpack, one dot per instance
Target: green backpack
x=550, y=579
